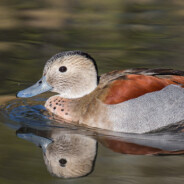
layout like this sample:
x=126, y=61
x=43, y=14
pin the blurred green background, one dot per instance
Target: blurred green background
x=119, y=34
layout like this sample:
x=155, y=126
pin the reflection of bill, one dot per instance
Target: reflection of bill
x=69, y=154
x=65, y=154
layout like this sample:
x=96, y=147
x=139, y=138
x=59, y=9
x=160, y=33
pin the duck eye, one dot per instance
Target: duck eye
x=63, y=69
x=62, y=162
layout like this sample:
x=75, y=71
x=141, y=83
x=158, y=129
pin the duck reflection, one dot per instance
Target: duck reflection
x=65, y=153
x=72, y=153
x=145, y=145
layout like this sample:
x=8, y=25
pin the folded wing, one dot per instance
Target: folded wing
x=120, y=86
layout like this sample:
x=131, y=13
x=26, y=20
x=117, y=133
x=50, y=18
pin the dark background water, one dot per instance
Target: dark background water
x=118, y=34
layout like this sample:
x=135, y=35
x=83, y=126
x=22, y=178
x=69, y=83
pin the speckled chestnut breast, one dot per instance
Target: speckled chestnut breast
x=60, y=107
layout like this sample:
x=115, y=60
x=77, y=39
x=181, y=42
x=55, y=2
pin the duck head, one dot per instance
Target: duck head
x=72, y=74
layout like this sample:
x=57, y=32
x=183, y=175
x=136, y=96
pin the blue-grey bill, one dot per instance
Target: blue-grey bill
x=40, y=87
x=37, y=140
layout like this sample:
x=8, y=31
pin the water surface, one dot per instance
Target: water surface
x=118, y=34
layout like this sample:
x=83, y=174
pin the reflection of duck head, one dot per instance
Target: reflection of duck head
x=67, y=155
x=71, y=155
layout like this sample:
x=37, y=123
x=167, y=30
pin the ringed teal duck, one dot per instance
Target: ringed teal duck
x=132, y=101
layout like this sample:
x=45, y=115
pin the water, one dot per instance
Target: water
x=119, y=35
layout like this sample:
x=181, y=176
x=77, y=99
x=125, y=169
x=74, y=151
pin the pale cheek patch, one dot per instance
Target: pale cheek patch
x=58, y=106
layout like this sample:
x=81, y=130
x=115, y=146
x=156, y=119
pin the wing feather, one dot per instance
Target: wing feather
x=120, y=86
